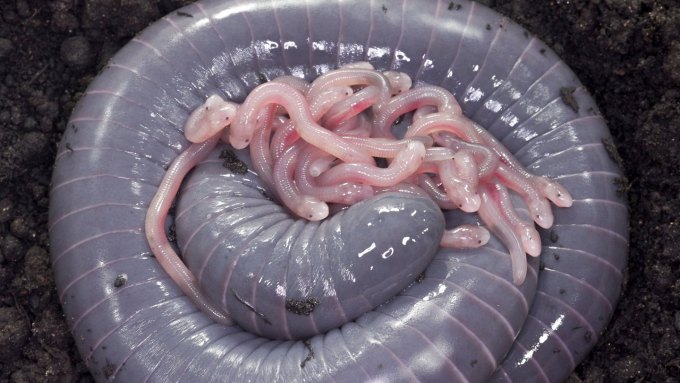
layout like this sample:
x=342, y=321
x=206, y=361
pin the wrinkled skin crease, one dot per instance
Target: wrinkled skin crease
x=126, y=130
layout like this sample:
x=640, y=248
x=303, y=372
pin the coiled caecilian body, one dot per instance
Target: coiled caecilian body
x=462, y=319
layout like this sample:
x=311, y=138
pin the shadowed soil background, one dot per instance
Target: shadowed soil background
x=626, y=52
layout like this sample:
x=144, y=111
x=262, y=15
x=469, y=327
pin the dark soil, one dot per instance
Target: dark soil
x=625, y=51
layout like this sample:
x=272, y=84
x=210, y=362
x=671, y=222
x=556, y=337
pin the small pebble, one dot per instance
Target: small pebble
x=64, y=22
x=19, y=228
x=30, y=123
x=120, y=280
x=12, y=248
x=76, y=51
x=48, y=109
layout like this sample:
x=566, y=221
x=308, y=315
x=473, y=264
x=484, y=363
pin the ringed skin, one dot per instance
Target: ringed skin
x=465, y=320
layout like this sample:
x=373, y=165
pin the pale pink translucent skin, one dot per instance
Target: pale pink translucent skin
x=345, y=193
x=209, y=119
x=314, y=145
x=402, y=166
x=158, y=240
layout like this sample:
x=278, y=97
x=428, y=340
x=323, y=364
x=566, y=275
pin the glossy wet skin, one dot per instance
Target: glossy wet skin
x=107, y=171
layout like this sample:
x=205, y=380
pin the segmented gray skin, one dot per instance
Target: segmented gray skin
x=336, y=269
x=463, y=320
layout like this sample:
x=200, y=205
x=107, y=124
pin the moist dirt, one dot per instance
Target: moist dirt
x=626, y=53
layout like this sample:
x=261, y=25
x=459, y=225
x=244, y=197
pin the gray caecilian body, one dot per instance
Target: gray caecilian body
x=461, y=320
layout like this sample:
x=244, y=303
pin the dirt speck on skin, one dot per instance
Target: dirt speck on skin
x=624, y=51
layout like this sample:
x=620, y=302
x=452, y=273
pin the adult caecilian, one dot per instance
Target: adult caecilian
x=458, y=321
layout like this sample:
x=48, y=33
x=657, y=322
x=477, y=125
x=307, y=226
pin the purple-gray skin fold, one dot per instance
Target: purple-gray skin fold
x=287, y=278
x=462, y=320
